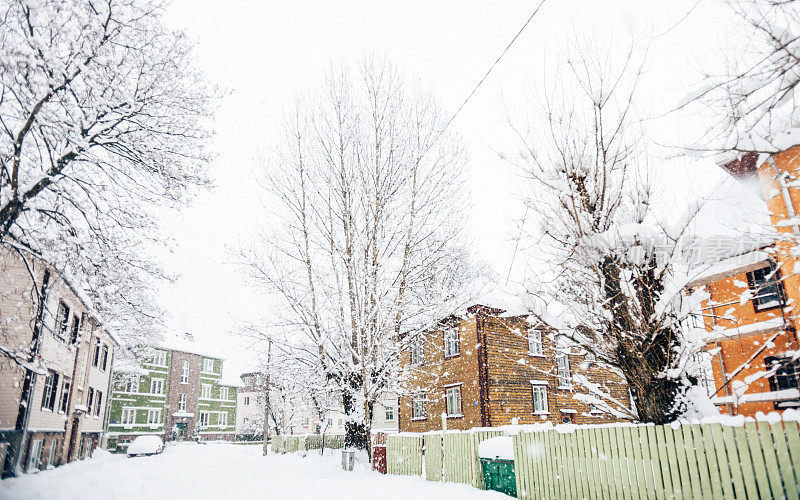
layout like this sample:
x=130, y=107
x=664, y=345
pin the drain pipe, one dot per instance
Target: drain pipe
x=787, y=201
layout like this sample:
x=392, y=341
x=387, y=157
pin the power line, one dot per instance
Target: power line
x=487, y=73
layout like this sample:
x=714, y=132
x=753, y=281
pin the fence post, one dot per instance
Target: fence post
x=444, y=432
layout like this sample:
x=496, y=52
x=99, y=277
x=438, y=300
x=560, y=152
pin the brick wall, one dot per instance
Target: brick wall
x=191, y=389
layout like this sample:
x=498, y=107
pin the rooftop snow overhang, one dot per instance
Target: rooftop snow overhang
x=760, y=327
x=731, y=266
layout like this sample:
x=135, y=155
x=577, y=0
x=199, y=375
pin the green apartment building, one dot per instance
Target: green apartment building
x=180, y=393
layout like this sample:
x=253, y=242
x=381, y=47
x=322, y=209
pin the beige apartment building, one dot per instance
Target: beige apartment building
x=55, y=366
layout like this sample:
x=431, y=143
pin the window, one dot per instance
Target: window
x=223, y=393
x=89, y=400
x=305, y=421
x=128, y=416
x=535, y=342
x=98, y=403
x=160, y=357
x=451, y=342
x=418, y=351
x=247, y=400
x=222, y=419
x=340, y=422
x=208, y=365
x=51, y=461
x=154, y=416
x=185, y=372
x=65, y=386
x=390, y=413
x=62, y=319
x=157, y=386
x=182, y=402
x=104, y=358
x=35, y=455
x=96, y=357
x=205, y=391
x=785, y=374
x=766, y=288
x=563, y=374
x=539, y=398
x=453, y=401
x=50, y=391
x=76, y=325
x=132, y=384
x=203, y=419
x=418, y=407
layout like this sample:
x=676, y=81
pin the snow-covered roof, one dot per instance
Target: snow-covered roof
x=509, y=298
x=231, y=377
x=187, y=343
x=732, y=208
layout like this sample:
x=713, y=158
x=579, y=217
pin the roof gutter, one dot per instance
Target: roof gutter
x=787, y=200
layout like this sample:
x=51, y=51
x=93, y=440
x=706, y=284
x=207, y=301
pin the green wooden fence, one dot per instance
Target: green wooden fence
x=759, y=460
x=433, y=457
x=708, y=461
x=404, y=454
x=290, y=444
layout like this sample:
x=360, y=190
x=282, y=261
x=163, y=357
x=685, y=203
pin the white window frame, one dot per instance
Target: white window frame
x=62, y=320
x=181, y=402
x=452, y=396
x=418, y=407
x=132, y=384
x=224, y=393
x=563, y=373
x=389, y=416
x=128, y=416
x=418, y=352
x=98, y=402
x=208, y=365
x=160, y=357
x=157, y=382
x=222, y=419
x=539, y=390
x=535, y=346
x=185, y=372
x=154, y=414
x=205, y=391
x=204, y=418
x=452, y=347
x=35, y=458
x=247, y=400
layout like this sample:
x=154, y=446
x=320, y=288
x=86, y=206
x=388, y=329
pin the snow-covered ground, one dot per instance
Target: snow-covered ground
x=226, y=472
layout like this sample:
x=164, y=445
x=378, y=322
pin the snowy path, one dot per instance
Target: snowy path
x=225, y=472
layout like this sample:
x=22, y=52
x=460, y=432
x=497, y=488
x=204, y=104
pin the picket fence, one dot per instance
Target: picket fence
x=756, y=460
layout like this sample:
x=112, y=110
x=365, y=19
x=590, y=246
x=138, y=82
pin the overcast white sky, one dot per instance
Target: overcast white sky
x=266, y=52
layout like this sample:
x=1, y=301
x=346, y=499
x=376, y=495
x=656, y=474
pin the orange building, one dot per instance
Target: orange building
x=751, y=312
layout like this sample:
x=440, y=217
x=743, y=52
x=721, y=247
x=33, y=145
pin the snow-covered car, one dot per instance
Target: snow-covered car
x=145, y=445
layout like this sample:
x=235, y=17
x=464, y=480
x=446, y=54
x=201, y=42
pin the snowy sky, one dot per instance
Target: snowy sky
x=267, y=52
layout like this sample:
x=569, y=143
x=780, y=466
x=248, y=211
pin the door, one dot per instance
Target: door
x=181, y=435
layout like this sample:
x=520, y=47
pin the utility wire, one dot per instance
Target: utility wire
x=486, y=75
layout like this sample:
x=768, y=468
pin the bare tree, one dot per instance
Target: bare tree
x=609, y=275
x=102, y=121
x=368, y=249
x=753, y=102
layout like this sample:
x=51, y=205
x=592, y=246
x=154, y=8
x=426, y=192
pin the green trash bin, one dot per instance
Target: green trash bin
x=498, y=475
